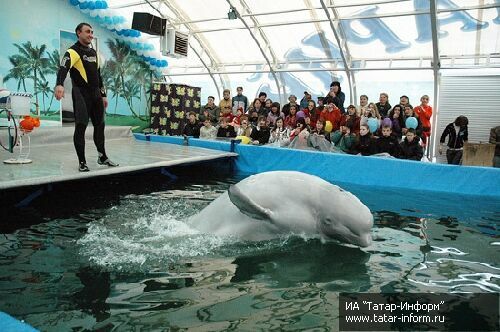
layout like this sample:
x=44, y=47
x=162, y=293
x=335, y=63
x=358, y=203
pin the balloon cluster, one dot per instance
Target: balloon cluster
x=28, y=123
x=109, y=18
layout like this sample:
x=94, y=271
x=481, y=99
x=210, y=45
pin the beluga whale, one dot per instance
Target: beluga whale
x=270, y=204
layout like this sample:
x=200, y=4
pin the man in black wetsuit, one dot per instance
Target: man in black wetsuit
x=88, y=93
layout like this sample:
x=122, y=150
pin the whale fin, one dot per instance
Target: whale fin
x=248, y=206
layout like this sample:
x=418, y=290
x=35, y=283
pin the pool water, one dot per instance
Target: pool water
x=116, y=254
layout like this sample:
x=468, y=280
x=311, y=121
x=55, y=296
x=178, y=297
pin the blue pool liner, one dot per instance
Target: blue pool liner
x=359, y=170
x=10, y=324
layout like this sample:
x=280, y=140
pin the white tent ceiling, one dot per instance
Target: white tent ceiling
x=346, y=37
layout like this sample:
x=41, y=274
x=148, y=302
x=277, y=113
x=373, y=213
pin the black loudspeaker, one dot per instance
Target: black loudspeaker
x=145, y=22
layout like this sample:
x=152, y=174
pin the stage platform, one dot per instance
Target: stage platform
x=54, y=157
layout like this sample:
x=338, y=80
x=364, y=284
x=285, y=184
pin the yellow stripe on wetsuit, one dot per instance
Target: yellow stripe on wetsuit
x=76, y=62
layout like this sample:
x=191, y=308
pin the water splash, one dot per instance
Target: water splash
x=146, y=240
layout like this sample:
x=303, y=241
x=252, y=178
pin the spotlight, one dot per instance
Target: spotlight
x=232, y=14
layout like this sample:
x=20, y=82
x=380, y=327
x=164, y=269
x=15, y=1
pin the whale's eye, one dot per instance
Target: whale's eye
x=327, y=221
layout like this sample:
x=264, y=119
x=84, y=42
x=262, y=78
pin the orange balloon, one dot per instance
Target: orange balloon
x=27, y=124
x=36, y=122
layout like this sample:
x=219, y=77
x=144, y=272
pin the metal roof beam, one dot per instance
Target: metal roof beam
x=342, y=44
x=262, y=42
x=203, y=44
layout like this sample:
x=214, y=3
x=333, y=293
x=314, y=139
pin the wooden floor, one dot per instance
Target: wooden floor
x=54, y=157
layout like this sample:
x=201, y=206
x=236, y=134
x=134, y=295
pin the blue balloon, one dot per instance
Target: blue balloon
x=158, y=63
x=104, y=5
x=152, y=62
x=74, y=2
x=411, y=122
x=108, y=20
x=84, y=5
x=126, y=32
x=164, y=63
x=373, y=124
x=116, y=19
x=91, y=5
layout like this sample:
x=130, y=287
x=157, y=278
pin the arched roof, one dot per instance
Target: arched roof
x=336, y=37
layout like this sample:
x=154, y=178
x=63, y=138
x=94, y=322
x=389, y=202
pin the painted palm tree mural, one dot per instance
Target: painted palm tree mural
x=19, y=72
x=127, y=78
x=33, y=58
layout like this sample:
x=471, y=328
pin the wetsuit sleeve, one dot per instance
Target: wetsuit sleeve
x=63, y=69
x=101, y=84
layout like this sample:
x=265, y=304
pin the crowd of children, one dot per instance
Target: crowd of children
x=378, y=128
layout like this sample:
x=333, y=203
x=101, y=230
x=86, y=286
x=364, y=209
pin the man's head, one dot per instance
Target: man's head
x=226, y=93
x=261, y=121
x=84, y=33
x=386, y=131
x=239, y=90
x=410, y=135
x=211, y=100
x=408, y=110
x=262, y=97
x=192, y=117
x=404, y=100
x=363, y=100
x=364, y=130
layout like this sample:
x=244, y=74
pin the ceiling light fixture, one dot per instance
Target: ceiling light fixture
x=232, y=15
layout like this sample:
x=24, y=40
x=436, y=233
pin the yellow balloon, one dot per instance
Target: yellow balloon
x=328, y=126
x=244, y=139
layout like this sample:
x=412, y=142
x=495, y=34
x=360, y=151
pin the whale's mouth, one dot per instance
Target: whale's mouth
x=364, y=240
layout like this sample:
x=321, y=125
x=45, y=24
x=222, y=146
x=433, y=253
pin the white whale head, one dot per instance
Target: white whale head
x=302, y=203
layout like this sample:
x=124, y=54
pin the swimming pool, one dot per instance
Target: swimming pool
x=116, y=254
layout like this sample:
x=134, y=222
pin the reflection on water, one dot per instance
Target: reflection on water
x=131, y=261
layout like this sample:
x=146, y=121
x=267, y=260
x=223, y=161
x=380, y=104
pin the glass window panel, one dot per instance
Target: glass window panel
x=292, y=42
x=392, y=7
x=233, y=46
x=483, y=38
x=395, y=83
x=315, y=82
x=389, y=37
x=261, y=6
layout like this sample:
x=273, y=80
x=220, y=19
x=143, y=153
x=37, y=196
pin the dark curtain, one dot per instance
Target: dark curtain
x=170, y=106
